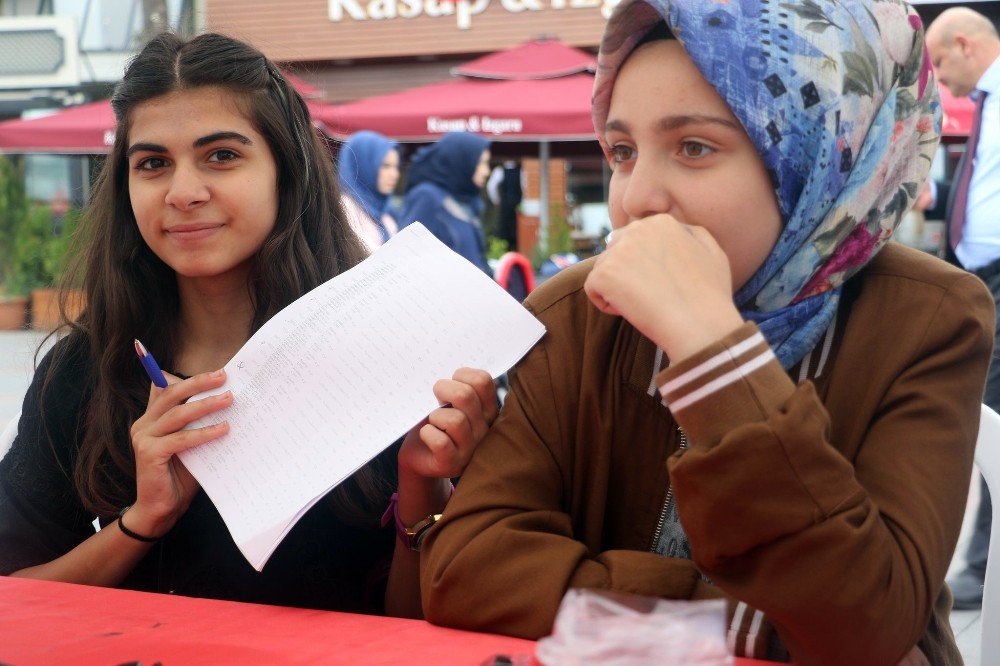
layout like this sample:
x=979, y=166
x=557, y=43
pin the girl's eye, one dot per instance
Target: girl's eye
x=150, y=164
x=695, y=149
x=223, y=155
x=621, y=153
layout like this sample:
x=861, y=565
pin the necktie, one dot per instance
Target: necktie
x=961, y=197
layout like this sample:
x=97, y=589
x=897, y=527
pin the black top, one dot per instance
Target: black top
x=322, y=563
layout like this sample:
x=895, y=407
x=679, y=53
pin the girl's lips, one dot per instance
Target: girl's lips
x=193, y=232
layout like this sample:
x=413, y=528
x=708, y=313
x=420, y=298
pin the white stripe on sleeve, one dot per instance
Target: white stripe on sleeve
x=657, y=362
x=749, y=645
x=712, y=363
x=723, y=381
x=734, y=627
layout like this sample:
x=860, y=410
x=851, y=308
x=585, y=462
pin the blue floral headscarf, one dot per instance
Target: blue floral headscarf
x=358, y=165
x=839, y=99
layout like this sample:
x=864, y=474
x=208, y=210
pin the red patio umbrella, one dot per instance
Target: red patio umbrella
x=503, y=110
x=88, y=129
x=536, y=59
x=537, y=91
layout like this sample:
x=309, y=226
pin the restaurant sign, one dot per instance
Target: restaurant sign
x=462, y=10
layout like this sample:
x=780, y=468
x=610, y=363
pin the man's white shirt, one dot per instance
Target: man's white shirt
x=980, y=244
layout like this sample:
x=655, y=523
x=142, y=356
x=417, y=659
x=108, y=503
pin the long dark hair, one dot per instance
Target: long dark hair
x=130, y=293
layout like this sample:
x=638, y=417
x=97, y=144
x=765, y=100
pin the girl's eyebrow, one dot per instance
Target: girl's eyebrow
x=616, y=126
x=222, y=136
x=144, y=147
x=671, y=123
x=203, y=141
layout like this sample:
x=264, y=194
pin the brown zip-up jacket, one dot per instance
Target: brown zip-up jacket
x=826, y=509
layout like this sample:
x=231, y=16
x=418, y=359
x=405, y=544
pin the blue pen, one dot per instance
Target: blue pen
x=149, y=363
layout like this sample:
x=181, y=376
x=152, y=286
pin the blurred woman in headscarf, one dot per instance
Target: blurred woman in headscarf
x=444, y=186
x=368, y=170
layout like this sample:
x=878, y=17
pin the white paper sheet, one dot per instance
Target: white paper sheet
x=344, y=371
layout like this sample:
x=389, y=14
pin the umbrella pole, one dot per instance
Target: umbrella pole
x=543, y=210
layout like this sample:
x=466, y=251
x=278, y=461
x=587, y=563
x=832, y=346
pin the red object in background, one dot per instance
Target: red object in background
x=519, y=110
x=88, y=129
x=537, y=90
x=958, y=111
x=539, y=59
x=508, y=264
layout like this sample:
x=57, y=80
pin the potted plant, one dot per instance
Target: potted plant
x=13, y=212
x=40, y=252
x=13, y=312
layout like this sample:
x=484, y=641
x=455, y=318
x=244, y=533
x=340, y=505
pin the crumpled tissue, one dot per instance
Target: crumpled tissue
x=616, y=629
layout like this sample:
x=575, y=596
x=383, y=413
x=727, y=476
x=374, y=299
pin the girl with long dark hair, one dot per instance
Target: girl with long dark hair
x=216, y=208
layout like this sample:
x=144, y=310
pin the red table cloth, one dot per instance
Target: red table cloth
x=58, y=623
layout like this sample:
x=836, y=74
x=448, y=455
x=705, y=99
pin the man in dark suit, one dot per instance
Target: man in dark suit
x=965, y=50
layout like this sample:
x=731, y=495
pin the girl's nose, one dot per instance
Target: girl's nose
x=187, y=188
x=646, y=191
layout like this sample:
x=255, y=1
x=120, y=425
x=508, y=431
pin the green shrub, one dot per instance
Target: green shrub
x=498, y=247
x=40, y=251
x=14, y=210
x=559, y=239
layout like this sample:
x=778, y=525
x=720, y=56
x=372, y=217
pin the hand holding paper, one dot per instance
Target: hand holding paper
x=342, y=372
x=442, y=444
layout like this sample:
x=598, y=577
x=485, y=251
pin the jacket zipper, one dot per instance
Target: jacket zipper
x=666, y=502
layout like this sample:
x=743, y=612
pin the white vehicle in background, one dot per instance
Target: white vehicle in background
x=591, y=224
x=592, y=219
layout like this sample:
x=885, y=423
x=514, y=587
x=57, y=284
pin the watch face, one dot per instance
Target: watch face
x=418, y=540
x=418, y=532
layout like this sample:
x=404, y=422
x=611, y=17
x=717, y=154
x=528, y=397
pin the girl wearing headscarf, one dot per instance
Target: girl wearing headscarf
x=368, y=170
x=443, y=193
x=751, y=394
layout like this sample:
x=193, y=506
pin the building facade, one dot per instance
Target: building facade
x=361, y=48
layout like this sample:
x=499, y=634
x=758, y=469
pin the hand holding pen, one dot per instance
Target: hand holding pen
x=164, y=488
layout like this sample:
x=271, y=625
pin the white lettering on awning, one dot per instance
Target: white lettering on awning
x=337, y=7
x=477, y=124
